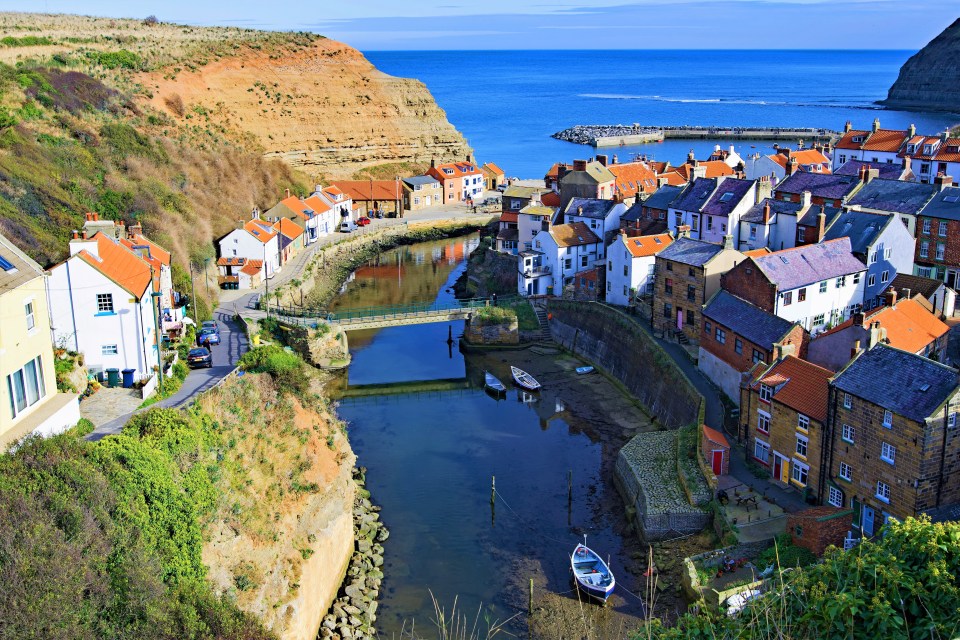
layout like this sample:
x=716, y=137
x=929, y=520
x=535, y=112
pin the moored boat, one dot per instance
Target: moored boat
x=591, y=574
x=584, y=370
x=524, y=379
x=491, y=382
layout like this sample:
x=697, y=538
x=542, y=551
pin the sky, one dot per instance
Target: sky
x=372, y=25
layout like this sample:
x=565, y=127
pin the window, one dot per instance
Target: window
x=802, y=295
x=788, y=298
x=738, y=345
x=847, y=401
x=691, y=316
x=609, y=286
x=872, y=280
x=625, y=270
x=691, y=293
x=843, y=159
x=763, y=422
x=888, y=452
x=104, y=303
x=841, y=282
x=887, y=253
x=761, y=451
x=583, y=261
x=669, y=266
x=691, y=273
x=31, y=320
x=803, y=422
x=757, y=356
x=823, y=287
x=801, y=235
x=668, y=310
x=856, y=278
x=942, y=229
x=847, y=433
x=721, y=336
x=926, y=226
x=846, y=472
x=625, y=292
x=799, y=472
x=884, y=277
x=874, y=256
x=888, y=419
x=802, y=443
x=25, y=386
x=952, y=420
x=610, y=267
x=835, y=497
x=924, y=248
x=883, y=492
x=940, y=250
x=568, y=263
x=108, y=350
x=766, y=392
x=707, y=328
x=753, y=232
x=668, y=285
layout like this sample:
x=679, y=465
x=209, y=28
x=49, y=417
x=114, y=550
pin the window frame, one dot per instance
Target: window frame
x=849, y=476
x=831, y=497
x=888, y=453
x=883, y=492
x=760, y=445
x=803, y=423
x=805, y=441
x=763, y=422
x=846, y=429
x=105, y=304
x=887, y=419
x=30, y=313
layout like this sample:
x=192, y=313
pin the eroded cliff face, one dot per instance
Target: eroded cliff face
x=323, y=108
x=930, y=79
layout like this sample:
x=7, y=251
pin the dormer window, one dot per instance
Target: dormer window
x=911, y=148
x=927, y=149
x=766, y=392
x=448, y=171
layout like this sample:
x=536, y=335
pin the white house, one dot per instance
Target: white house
x=531, y=220
x=772, y=224
x=101, y=305
x=875, y=145
x=712, y=207
x=630, y=265
x=567, y=249
x=159, y=259
x=256, y=240
x=785, y=162
x=600, y=216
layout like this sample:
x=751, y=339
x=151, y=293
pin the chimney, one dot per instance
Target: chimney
x=698, y=171
x=875, y=335
x=579, y=211
x=84, y=244
x=871, y=173
x=661, y=181
x=911, y=130
x=535, y=199
x=945, y=135
x=858, y=319
x=683, y=231
x=847, y=126
x=255, y=215
x=862, y=173
x=561, y=171
x=433, y=163
x=766, y=212
x=821, y=223
x=784, y=151
x=855, y=350
x=469, y=158
x=906, y=163
x=876, y=125
x=615, y=159
x=781, y=350
x=890, y=297
x=800, y=144
x=135, y=229
x=691, y=157
x=764, y=189
x=579, y=165
x=792, y=166
x=942, y=181
x=602, y=158
x=805, y=200
x=76, y=234
x=728, y=241
x=287, y=192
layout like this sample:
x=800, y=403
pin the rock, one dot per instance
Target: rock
x=326, y=632
x=930, y=79
x=376, y=560
x=329, y=624
x=372, y=610
x=364, y=546
x=345, y=631
x=353, y=592
x=352, y=610
x=355, y=622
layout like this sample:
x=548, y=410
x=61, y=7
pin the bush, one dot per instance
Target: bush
x=788, y=554
x=121, y=59
x=485, y=316
x=286, y=368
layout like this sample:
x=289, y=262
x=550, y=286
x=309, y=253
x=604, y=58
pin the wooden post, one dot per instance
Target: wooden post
x=530, y=605
x=570, y=486
x=493, y=490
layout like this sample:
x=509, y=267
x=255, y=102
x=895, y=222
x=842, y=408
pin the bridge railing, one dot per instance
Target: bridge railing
x=387, y=311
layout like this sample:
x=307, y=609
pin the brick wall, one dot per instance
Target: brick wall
x=672, y=287
x=816, y=529
x=727, y=351
x=707, y=448
x=951, y=256
x=747, y=281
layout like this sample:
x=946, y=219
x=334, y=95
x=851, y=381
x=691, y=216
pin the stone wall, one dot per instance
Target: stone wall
x=600, y=334
x=487, y=334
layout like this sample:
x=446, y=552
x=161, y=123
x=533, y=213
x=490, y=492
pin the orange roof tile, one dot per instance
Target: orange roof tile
x=156, y=251
x=846, y=142
x=753, y=253
x=364, y=190
x=332, y=190
x=493, y=169
x=508, y=216
x=574, y=234
x=554, y=171
x=457, y=170
x=316, y=204
x=632, y=178
x=119, y=264
x=260, y=230
x=252, y=267
x=715, y=436
x=885, y=140
x=804, y=386
x=715, y=168
x=230, y=262
x=674, y=178
x=909, y=325
x=550, y=199
x=645, y=246
x=288, y=228
x=805, y=158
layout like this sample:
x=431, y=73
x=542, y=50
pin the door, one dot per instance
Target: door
x=717, y=465
x=680, y=319
x=777, y=466
x=866, y=520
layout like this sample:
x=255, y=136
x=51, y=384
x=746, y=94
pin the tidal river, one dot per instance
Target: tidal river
x=432, y=440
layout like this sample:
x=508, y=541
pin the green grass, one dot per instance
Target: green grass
x=526, y=317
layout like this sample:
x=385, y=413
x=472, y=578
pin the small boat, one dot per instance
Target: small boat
x=584, y=370
x=491, y=382
x=524, y=379
x=591, y=573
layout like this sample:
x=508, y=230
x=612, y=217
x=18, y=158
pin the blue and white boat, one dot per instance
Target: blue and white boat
x=591, y=574
x=492, y=384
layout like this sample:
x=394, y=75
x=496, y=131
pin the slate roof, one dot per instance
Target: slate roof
x=695, y=253
x=592, y=208
x=22, y=268
x=421, y=180
x=861, y=227
x=926, y=287
x=748, y=320
x=801, y=385
x=944, y=204
x=894, y=196
x=906, y=384
x=887, y=170
x=809, y=218
x=662, y=197
x=821, y=185
x=755, y=213
x=695, y=195
x=595, y=173
x=721, y=204
x=801, y=266
x=634, y=213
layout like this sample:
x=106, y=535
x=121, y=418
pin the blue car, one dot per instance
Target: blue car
x=208, y=334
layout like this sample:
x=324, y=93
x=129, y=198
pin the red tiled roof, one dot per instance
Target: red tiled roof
x=316, y=204
x=674, y=178
x=715, y=168
x=645, y=246
x=632, y=178
x=909, y=325
x=753, y=253
x=885, y=140
x=554, y=171
x=459, y=170
x=252, y=267
x=846, y=142
x=288, y=228
x=550, y=199
x=805, y=158
x=260, y=230
x=364, y=190
x=493, y=169
x=332, y=190
x=230, y=262
x=805, y=386
x=118, y=263
x=715, y=436
x=508, y=216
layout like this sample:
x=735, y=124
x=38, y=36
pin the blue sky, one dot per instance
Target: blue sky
x=561, y=24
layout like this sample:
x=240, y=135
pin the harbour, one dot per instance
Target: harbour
x=626, y=135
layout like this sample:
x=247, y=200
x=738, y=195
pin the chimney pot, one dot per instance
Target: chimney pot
x=876, y=124
x=890, y=295
x=83, y=234
x=76, y=234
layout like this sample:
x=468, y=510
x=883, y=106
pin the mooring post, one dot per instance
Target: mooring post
x=570, y=486
x=530, y=605
x=493, y=489
x=449, y=334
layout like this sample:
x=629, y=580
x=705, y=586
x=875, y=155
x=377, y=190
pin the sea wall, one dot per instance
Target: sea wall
x=491, y=334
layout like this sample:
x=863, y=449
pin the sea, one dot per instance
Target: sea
x=508, y=103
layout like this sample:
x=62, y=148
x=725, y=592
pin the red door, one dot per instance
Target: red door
x=717, y=462
x=777, y=466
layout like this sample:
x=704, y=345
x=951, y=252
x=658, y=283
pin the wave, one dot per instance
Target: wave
x=773, y=103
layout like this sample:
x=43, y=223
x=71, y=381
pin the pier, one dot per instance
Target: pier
x=625, y=135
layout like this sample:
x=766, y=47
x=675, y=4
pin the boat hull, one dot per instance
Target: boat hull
x=597, y=593
x=523, y=379
x=591, y=575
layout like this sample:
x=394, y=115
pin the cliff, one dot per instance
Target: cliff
x=930, y=79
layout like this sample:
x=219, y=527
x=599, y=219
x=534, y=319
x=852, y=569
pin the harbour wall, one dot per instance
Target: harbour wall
x=623, y=135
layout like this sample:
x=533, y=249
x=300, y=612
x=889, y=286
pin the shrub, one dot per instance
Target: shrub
x=485, y=316
x=121, y=59
x=286, y=368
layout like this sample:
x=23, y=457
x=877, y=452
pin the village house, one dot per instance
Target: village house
x=728, y=156
x=895, y=444
x=885, y=170
x=712, y=207
x=694, y=169
x=374, y=198
x=876, y=145
x=939, y=298
x=587, y=285
x=240, y=273
x=585, y=180
x=932, y=156
x=289, y=238
x=687, y=275
x=784, y=162
x=302, y=214
x=29, y=400
x=340, y=203
x=773, y=224
x=938, y=236
x=493, y=176
x=830, y=190
x=105, y=309
x=816, y=285
x=531, y=220
x=735, y=336
x=905, y=324
x=507, y=240
x=516, y=197
x=784, y=420
x=893, y=197
x=534, y=275
x=461, y=181
x=551, y=179
x=601, y=216
x=630, y=266
x=881, y=242
x=169, y=303
x=420, y=192
x=566, y=250
x=633, y=181
x=649, y=216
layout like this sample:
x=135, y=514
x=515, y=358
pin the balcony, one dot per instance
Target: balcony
x=537, y=271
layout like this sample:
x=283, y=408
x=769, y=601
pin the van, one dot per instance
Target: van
x=347, y=225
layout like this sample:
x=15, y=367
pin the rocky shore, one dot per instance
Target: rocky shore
x=588, y=133
x=353, y=613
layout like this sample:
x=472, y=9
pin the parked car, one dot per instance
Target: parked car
x=363, y=221
x=199, y=357
x=347, y=225
x=210, y=324
x=501, y=188
x=210, y=334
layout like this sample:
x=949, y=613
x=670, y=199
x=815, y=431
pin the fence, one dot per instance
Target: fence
x=400, y=310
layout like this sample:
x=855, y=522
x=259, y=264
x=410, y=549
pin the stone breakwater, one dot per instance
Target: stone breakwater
x=353, y=613
x=601, y=135
x=588, y=133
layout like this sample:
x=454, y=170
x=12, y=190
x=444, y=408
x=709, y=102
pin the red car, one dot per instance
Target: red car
x=363, y=221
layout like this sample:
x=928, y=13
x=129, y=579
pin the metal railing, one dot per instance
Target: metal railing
x=391, y=311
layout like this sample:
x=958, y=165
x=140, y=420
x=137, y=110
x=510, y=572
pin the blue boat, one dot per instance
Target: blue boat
x=492, y=384
x=584, y=370
x=591, y=574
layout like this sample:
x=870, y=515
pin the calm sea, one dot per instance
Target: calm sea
x=507, y=103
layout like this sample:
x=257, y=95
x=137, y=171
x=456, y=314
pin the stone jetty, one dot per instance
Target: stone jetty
x=353, y=613
x=602, y=135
